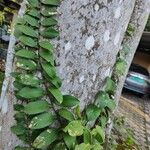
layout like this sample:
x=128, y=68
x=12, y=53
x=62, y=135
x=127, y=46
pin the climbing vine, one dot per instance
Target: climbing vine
x=45, y=118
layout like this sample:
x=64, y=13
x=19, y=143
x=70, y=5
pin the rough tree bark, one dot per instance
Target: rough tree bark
x=91, y=34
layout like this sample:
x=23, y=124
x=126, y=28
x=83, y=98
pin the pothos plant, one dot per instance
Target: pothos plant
x=45, y=118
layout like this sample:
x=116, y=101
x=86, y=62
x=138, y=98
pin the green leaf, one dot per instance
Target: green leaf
x=66, y=114
x=87, y=136
x=28, y=41
x=120, y=67
x=18, y=107
x=51, y=72
x=97, y=146
x=18, y=129
x=36, y=107
x=28, y=79
x=110, y=85
x=51, y=2
x=49, y=11
x=70, y=141
x=74, y=128
x=103, y=121
x=59, y=146
x=56, y=82
x=46, y=45
x=49, y=33
x=83, y=146
x=30, y=93
x=34, y=12
x=70, y=101
x=45, y=139
x=111, y=104
x=26, y=54
x=47, y=55
x=103, y=101
x=26, y=64
x=99, y=134
x=92, y=112
x=130, y=29
x=31, y=20
x=27, y=30
x=57, y=94
x=21, y=148
x=49, y=22
x=41, y=121
x=33, y=3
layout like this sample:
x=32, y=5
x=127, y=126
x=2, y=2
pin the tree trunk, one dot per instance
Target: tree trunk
x=91, y=34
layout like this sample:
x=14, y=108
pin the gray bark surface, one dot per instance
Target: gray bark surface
x=91, y=33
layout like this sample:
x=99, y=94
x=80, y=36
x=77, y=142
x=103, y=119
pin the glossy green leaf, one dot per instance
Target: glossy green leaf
x=34, y=12
x=28, y=79
x=110, y=85
x=120, y=67
x=41, y=121
x=70, y=141
x=18, y=129
x=31, y=20
x=70, y=101
x=66, y=114
x=83, y=146
x=57, y=94
x=49, y=22
x=51, y=2
x=49, y=33
x=30, y=93
x=26, y=64
x=47, y=55
x=49, y=11
x=92, y=112
x=26, y=54
x=51, y=72
x=46, y=45
x=74, y=128
x=33, y=3
x=36, y=107
x=28, y=41
x=45, y=139
x=27, y=30
x=99, y=134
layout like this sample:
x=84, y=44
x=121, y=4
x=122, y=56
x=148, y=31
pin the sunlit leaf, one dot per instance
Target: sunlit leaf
x=51, y=2
x=49, y=22
x=74, y=128
x=45, y=139
x=41, y=121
